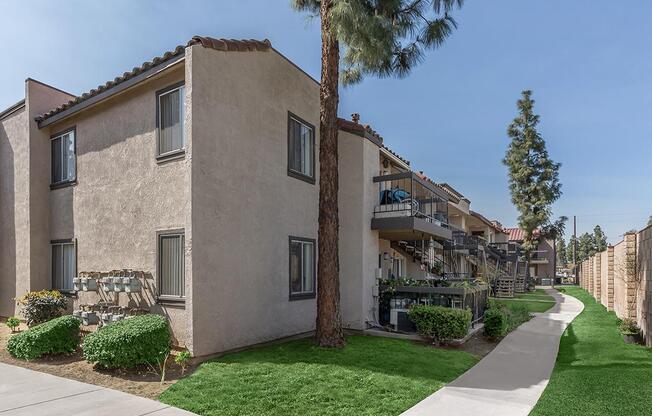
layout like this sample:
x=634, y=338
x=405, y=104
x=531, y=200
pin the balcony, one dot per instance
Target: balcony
x=539, y=257
x=410, y=208
x=462, y=242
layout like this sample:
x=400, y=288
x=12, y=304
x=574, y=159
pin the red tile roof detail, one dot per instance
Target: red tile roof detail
x=225, y=45
x=516, y=234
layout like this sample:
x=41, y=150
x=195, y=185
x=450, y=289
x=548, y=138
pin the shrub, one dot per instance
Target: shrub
x=496, y=322
x=440, y=323
x=142, y=339
x=59, y=335
x=182, y=359
x=13, y=323
x=628, y=326
x=517, y=313
x=39, y=307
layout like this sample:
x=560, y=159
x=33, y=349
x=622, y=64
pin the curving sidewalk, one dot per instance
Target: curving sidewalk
x=512, y=377
x=29, y=393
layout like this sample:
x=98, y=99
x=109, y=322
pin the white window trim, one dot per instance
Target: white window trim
x=73, y=243
x=73, y=134
x=165, y=92
x=304, y=294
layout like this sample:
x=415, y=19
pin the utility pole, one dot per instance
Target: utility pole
x=575, y=249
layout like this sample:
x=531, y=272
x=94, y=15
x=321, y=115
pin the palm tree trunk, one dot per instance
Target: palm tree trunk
x=329, y=323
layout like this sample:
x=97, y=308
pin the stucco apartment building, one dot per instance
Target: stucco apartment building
x=543, y=260
x=197, y=173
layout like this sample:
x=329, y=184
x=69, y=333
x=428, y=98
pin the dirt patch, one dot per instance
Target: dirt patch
x=139, y=381
x=478, y=345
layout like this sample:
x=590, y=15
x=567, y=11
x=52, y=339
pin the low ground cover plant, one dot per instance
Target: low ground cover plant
x=59, y=335
x=439, y=323
x=628, y=326
x=13, y=323
x=124, y=344
x=41, y=306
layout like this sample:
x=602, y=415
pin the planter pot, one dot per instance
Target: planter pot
x=77, y=314
x=90, y=318
x=76, y=284
x=107, y=318
x=107, y=284
x=88, y=284
x=132, y=284
x=118, y=286
x=632, y=338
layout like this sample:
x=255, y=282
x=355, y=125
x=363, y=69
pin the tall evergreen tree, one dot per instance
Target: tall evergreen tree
x=381, y=38
x=569, y=250
x=562, y=257
x=599, y=239
x=533, y=176
x=585, y=247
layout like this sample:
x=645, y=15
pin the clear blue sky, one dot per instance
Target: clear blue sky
x=589, y=63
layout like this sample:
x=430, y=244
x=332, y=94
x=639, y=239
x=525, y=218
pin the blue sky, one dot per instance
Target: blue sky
x=588, y=62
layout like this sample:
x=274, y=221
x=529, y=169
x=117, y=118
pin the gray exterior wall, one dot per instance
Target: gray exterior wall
x=245, y=206
x=359, y=245
x=25, y=151
x=123, y=196
x=14, y=202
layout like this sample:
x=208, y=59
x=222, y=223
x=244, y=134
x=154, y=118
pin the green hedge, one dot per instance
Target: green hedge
x=440, y=323
x=496, y=322
x=130, y=342
x=60, y=335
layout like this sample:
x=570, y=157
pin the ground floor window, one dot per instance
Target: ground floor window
x=64, y=264
x=302, y=268
x=171, y=265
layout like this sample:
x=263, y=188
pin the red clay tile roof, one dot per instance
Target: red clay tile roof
x=516, y=234
x=226, y=45
x=362, y=129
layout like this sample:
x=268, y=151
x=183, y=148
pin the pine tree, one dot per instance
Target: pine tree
x=599, y=239
x=381, y=38
x=533, y=176
x=561, y=252
x=569, y=250
x=585, y=247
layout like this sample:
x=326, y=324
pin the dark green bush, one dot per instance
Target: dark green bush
x=496, y=322
x=628, y=326
x=59, y=335
x=41, y=306
x=128, y=343
x=440, y=323
x=517, y=313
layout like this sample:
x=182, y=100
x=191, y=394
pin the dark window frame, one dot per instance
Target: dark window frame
x=63, y=241
x=291, y=172
x=302, y=295
x=67, y=182
x=173, y=154
x=170, y=299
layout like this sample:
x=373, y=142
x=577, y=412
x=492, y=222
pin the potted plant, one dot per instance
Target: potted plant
x=630, y=331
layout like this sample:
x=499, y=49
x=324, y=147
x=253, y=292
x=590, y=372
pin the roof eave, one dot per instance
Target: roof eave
x=121, y=87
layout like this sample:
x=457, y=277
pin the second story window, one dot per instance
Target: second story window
x=170, y=115
x=63, y=157
x=301, y=149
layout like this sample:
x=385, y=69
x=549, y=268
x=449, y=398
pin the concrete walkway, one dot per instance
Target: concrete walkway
x=510, y=379
x=29, y=393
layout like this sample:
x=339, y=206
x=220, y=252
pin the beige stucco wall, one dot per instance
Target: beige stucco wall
x=644, y=276
x=123, y=196
x=14, y=202
x=245, y=206
x=596, y=266
x=359, y=244
x=620, y=280
x=607, y=278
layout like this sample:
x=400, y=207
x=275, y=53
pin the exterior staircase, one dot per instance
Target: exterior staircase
x=521, y=269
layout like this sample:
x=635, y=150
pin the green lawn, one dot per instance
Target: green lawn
x=538, y=294
x=537, y=301
x=596, y=372
x=371, y=376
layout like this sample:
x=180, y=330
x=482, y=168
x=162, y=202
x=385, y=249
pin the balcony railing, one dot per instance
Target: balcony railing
x=407, y=195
